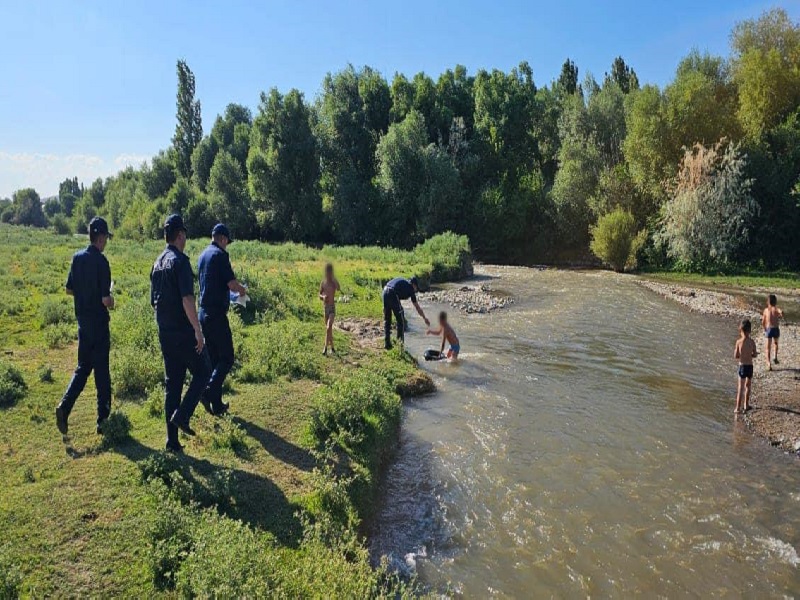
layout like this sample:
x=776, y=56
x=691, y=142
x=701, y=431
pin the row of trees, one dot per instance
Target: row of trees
x=701, y=172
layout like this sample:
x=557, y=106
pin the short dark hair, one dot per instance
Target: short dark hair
x=443, y=316
x=746, y=326
x=170, y=234
x=773, y=299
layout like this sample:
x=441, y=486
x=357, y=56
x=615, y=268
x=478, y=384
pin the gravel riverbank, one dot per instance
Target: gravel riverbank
x=469, y=298
x=776, y=393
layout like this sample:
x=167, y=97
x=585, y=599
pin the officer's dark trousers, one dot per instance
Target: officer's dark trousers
x=94, y=344
x=180, y=356
x=219, y=342
x=391, y=304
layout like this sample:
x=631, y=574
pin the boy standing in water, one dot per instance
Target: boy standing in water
x=327, y=293
x=745, y=350
x=448, y=335
x=769, y=321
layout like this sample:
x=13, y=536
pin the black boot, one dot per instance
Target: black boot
x=61, y=420
x=181, y=424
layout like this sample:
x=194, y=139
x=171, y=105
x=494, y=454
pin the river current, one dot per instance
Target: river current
x=585, y=445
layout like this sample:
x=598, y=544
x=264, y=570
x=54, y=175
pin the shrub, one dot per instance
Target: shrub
x=12, y=384
x=134, y=372
x=45, y=374
x=449, y=254
x=170, y=539
x=59, y=335
x=61, y=225
x=55, y=311
x=227, y=435
x=116, y=429
x=155, y=401
x=615, y=240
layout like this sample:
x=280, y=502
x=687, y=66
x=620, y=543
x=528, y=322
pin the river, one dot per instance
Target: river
x=585, y=445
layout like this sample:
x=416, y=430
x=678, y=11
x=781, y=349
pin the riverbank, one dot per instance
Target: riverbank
x=268, y=501
x=776, y=393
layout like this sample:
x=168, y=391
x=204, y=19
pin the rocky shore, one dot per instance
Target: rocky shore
x=469, y=298
x=776, y=393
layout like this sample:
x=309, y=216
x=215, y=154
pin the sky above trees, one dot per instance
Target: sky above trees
x=91, y=86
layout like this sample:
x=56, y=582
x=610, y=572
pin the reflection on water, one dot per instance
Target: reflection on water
x=585, y=445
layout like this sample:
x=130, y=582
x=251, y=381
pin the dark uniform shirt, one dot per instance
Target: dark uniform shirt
x=90, y=281
x=403, y=288
x=214, y=272
x=170, y=281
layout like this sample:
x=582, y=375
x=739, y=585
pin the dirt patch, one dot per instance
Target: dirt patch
x=469, y=298
x=367, y=332
x=776, y=391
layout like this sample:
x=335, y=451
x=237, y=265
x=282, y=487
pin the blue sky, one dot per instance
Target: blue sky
x=87, y=87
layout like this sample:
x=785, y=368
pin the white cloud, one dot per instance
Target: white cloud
x=45, y=172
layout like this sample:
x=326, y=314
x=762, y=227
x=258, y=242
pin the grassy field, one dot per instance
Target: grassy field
x=268, y=501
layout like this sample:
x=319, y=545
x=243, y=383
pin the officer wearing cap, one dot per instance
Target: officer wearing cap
x=217, y=280
x=172, y=297
x=396, y=290
x=89, y=283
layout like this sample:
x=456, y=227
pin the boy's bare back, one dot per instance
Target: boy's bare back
x=771, y=317
x=745, y=350
x=450, y=335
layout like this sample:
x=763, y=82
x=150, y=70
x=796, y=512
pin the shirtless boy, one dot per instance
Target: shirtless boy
x=769, y=321
x=448, y=335
x=327, y=293
x=745, y=350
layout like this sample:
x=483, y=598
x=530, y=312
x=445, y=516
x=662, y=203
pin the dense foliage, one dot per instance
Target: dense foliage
x=524, y=170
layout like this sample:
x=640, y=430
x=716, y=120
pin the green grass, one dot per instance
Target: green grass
x=766, y=280
x=268, y=501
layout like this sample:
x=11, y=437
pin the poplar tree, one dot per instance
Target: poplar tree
x=189, y=128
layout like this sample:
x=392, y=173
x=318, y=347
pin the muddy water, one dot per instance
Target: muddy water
x=585, y=445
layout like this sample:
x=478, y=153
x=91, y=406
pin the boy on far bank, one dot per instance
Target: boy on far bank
x=327, y=293
x=770, y=321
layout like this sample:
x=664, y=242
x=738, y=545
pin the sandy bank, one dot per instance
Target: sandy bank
x=776, y=393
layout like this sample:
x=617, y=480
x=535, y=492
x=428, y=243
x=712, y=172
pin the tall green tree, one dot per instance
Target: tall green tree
x=227, y=195
x=623, y=76
x=189, y=128
x=283, y=168
x=26, y=207
x=567, y=82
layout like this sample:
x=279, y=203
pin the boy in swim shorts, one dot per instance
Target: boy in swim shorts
x=327, y=293
x=770, y=319
x=745, y=350
x=448, y=335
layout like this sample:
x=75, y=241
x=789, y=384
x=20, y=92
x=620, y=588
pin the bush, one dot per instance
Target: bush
x=116, y=429
x=227, y=435
x=59, y=335
x=134, y=372
x=45, y=374
x=61, y=225
x=449, y=254
x=55, y=311
x=615, y=240
x=12, y=384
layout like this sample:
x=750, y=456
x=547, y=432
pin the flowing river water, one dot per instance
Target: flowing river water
x=585, y=445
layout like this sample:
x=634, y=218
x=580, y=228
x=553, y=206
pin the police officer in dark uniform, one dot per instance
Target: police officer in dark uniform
x=217, y=280
x=396, y=290
x=172, y=297
x=89, y=283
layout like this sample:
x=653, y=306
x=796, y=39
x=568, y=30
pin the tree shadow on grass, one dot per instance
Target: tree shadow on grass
x=278, y=447
x=255, y=499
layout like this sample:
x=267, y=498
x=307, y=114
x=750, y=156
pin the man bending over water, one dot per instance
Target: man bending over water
x=396, y=290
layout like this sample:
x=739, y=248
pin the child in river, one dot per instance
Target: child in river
x=770, y=319
x=745, y=350
x=327, y=293
x=448, y=335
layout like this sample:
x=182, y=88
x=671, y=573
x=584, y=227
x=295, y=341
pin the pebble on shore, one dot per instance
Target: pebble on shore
x=469, y=299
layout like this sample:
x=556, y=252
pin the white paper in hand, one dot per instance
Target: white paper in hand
x=240, y=299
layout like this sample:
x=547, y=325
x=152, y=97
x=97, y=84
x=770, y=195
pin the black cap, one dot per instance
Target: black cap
x=174, y=223
x=414, y=281
x=99, y=225
x=221, y=229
